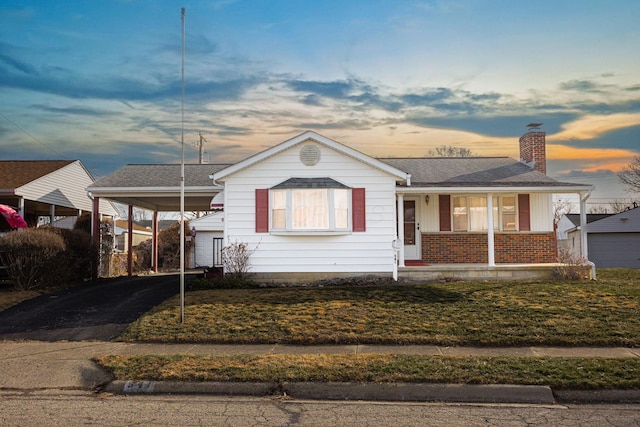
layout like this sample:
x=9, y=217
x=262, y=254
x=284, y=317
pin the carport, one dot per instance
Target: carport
x=156, y=188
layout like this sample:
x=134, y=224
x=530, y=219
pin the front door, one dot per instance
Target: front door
x=411, y=230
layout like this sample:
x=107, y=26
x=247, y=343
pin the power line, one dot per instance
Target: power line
x=32, y=137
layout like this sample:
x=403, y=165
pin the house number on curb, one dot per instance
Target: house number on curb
x=139, y=387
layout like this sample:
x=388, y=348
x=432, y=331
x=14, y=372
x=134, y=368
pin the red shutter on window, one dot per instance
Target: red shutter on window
x=524, y=212
x=445, y=212
x=358, y=209
x=262, y=210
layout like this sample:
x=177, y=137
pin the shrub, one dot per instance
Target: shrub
x=30, y=255
x=80, y=254
x=168, y=249
x=226, y=282
x=169, y=245
x=235, y=260
x=83, y=222
x=572, y=267
x=142, y=256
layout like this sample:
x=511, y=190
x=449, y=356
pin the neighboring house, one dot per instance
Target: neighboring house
x=613, y=241
x=121, y=235
x=568, y=231
x=48, y=188
x=312, y=207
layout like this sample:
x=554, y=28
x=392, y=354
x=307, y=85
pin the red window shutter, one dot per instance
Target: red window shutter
x=358, y=209
x=445, y=212
x=262, y=210
x=524, y=212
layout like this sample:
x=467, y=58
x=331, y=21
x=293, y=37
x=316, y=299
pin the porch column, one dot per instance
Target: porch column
x=95, y=232
x=490, y=237
x=154, y=242
x=584, y=248
x=130, y=242
x=401, y=229
x=52, y=214
x=21, y=206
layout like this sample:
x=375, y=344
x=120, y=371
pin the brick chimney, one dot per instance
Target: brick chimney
x=532, y=148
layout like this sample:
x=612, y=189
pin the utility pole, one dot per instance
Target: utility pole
x=200, y=145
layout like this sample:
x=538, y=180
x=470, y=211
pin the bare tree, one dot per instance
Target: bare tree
x=450, y=151
x=598, y=209
x=618, y=206
x=560, y=208
x=630, y=176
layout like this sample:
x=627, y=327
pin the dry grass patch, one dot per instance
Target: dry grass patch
x=9, y=297
x=561, y=373
x=603, y=313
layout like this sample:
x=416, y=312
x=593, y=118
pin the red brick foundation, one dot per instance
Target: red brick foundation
x=471, y=248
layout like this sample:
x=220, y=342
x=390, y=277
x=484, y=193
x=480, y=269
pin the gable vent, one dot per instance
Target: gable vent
x=310, y=155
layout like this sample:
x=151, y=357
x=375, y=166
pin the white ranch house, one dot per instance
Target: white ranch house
x=311, y=207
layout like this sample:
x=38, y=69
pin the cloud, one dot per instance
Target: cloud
x=591, y=126
x=13, y=62
x=82, y=111
x=581, y=85
x=498, y=125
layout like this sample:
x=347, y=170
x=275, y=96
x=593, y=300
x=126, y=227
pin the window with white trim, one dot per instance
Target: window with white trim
x=469, y=213
x=310, y=209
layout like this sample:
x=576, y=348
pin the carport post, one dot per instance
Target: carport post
x=95, y=233
x=130, y=242
x=154, y=243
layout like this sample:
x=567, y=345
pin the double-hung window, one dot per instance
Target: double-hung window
x=470, y=213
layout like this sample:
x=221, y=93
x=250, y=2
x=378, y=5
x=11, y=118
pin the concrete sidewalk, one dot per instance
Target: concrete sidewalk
x=35, y=365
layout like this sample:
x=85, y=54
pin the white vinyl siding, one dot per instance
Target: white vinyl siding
x=541, y=212
x=65, y=187
x=369, y=251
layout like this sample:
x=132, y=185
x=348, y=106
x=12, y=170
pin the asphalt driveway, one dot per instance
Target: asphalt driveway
x=99, y=311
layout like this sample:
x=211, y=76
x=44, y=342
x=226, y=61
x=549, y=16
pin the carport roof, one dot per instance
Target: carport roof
x=157, y=187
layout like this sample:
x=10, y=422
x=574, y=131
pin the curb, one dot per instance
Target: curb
x=597, y=396
x=348, y=391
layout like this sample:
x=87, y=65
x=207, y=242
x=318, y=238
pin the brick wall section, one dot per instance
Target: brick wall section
x=471, y=248
x=533, y=149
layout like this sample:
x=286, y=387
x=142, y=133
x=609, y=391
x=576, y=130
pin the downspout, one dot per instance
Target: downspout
x=583, y=232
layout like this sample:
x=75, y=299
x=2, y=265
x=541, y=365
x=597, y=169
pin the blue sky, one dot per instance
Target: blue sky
x=100, y=80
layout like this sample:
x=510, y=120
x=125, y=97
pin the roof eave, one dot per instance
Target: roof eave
x=120, y=191
x=309, y=135
x=494, y=189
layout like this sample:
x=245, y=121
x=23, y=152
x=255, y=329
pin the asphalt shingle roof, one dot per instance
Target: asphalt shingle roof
x=575, y=218
x=16, y=173
x=471, y=172
x=160, y=176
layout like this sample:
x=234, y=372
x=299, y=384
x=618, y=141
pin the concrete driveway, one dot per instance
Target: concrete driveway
x=99, y=311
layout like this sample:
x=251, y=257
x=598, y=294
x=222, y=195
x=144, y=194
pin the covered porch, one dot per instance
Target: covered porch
x=517, y=241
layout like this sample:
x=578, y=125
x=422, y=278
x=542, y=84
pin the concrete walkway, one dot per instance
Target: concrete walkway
x=34, y=365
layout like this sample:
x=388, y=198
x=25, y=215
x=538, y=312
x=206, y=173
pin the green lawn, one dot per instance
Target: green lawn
x=602, y=313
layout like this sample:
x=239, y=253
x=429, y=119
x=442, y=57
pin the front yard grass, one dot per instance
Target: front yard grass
x=558, y=373
x=9, y=296
x=602, y=313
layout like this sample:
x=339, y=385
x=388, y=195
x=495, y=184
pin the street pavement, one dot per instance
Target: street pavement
x=39, y=365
